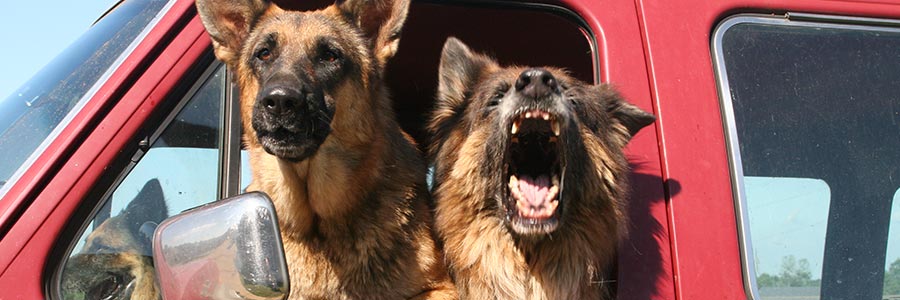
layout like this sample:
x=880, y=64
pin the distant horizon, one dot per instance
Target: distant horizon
x=38, y=31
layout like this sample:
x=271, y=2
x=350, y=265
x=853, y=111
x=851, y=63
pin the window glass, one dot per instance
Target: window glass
x=34, y=111
x=788, y=226
x=112, y=259
x=814, y=123
x=892, y=272
x=245, y=170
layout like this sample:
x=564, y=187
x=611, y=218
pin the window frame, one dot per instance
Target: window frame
x=732, y=143
x=228, y=176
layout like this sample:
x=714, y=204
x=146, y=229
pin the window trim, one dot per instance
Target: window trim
x=230, y=139
x=732, y=143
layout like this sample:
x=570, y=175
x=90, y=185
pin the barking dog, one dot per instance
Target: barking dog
x=347, y=183
x=530, y=178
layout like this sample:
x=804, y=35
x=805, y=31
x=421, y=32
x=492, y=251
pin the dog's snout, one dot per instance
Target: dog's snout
x=537, y=83
x=282, y=100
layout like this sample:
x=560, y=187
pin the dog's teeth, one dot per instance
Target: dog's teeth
x=514, y=188
x=546, y=116
x=555, y=127
x=551, y=207
x=528, y=115
x=515, y=127
x=551, y=194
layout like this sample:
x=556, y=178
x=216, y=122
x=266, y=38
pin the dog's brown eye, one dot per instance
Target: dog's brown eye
x=498, y=95
x=264, y=54
x=497, y=98
x=330, y=55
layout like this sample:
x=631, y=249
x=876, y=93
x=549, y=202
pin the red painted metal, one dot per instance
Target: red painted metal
x=25, y=249
x=676, y=38
x=683, y=241
x=645, y=268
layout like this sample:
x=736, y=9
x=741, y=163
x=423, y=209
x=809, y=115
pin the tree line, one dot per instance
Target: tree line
x=796, y=273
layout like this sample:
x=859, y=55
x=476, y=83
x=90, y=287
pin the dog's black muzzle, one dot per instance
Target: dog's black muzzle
x=534, y=128
x=291, y=120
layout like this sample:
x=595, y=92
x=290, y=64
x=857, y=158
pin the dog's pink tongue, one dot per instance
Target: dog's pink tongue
x=535, y=190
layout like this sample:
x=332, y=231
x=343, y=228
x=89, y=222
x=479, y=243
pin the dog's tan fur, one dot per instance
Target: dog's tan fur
x=487, y=257
x=353, y=215
x=116, y=261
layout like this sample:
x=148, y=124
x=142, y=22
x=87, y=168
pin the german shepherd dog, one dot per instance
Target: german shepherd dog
x=347, y=183
x=530, y=178
x=116, y=262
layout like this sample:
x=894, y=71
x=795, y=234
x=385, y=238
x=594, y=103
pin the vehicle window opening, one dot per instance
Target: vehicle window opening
x=175, y=172
x=812, y=112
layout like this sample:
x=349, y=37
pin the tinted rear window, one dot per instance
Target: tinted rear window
x=815, y=116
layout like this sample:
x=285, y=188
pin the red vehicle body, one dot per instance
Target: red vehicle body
x=684, y=238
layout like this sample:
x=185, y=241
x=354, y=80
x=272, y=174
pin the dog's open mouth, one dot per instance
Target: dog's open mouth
x=534, y=167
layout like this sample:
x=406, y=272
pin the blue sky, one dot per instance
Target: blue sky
x=33, y=32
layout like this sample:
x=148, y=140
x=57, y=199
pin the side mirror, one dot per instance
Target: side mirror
x=229, y=249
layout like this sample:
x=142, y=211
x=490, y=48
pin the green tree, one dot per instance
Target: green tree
x=794, y=273
x=766, y=280
x=892, y=279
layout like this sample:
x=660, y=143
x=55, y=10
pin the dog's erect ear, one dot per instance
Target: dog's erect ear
x=228, y=23
x=148, y=206
x=381, y=22
x=631, y=116
x=144, y=212
x=458, y=73
x=626, y=114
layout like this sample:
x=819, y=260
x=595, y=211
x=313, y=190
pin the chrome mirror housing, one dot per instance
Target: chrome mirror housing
x=229, y=249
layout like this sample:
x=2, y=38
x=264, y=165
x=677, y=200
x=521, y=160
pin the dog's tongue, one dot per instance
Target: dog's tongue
x=535, y=197
x=535, y=190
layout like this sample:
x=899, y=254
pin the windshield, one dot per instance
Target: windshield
x=34, y=114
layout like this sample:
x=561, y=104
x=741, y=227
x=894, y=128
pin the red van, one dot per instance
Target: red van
x=772, y=171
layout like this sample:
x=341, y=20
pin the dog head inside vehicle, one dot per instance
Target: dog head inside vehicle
x=116, y=261
x=303, y=75
x=531, y=146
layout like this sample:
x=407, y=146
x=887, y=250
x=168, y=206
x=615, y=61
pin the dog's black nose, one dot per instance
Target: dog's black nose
x=282, y=100
x=536, y=83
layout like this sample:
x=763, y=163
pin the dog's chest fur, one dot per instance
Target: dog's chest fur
x=348, y=239
x=496, y=266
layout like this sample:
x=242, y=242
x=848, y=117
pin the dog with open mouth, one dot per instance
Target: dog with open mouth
x=530, y=178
